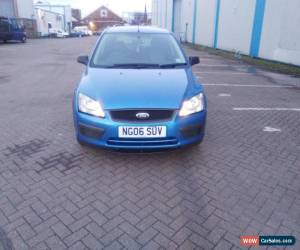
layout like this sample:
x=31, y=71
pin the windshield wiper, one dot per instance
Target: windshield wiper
x=172, y=65
x=134, y=65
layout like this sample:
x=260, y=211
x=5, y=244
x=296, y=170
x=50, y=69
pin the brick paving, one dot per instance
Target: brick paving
x=56, y=194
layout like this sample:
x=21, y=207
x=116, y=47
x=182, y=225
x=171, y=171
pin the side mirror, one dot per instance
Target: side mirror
x=194, y=60
x=83, y=60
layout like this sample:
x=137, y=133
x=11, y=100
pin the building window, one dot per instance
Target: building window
x=103, y=13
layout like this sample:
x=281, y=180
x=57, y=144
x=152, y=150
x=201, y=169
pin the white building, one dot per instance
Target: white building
x=59, y=16
x=267, y=29
x=47, y=20
x=17, y=8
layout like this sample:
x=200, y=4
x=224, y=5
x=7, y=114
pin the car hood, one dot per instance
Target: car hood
x=136, y=88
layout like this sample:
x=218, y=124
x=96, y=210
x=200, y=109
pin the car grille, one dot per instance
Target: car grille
x=130, y=115
x=124, y=142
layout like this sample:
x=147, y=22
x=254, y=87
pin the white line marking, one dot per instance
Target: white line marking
x=267, y=109
x=224, y=95
x=246, y=85
x=220, y=65
x=270, y=129
x=222, y=73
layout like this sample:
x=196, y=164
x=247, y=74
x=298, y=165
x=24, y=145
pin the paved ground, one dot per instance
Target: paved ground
x=244, y=179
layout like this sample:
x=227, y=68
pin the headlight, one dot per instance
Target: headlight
x=193, y=105
x=89, y=106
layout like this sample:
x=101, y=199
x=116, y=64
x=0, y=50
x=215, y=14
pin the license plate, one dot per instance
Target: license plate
x=142, y=132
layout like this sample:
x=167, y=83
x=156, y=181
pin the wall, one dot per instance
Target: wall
x=64, y=10
x=205, y=22
x=17, y=8
x=7, y=8
x=261, y=28
x=235, y=26
x=25, y=9
x=280, y=39
x=43, y=17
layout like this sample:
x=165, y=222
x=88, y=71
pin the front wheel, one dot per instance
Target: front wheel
x=24, y=39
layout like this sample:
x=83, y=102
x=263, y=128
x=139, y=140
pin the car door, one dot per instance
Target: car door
x=4, y=29
x=16, y=30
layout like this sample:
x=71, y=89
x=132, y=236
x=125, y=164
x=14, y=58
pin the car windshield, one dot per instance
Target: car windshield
x=138, y=50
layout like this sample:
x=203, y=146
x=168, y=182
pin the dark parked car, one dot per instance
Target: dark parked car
x=76, y=34
x=11, y=29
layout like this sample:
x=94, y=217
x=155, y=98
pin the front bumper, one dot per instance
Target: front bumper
x=103, y=132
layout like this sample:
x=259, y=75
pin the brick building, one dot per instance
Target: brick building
x=76, y=17
x=102, y=18
x=76, y=13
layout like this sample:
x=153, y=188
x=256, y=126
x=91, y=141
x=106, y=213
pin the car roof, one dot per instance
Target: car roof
x=134, y=29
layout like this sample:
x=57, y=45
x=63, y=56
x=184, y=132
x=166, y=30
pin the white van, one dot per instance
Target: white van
x=58, y=33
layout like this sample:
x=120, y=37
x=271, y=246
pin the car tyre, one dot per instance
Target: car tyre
x=24, y=39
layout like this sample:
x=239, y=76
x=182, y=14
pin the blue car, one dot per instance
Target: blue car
x=138, y=91
x=11, y=29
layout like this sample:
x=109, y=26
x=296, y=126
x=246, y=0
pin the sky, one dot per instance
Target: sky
x=118, y=6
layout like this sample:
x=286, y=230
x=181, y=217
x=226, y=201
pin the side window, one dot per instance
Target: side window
x=15, y=24
x=4, y=25
x=23, y=24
